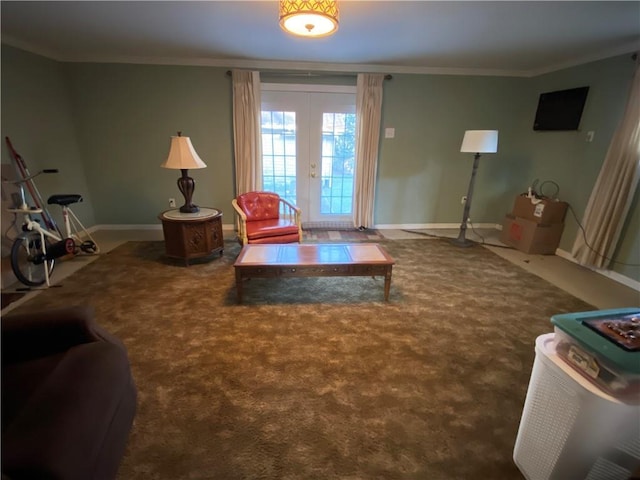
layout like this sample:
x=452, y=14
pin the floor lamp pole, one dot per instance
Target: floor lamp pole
x=461, y=241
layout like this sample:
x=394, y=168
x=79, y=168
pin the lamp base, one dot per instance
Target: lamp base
x=462, y=242
x=189, y=209
x=187, y=186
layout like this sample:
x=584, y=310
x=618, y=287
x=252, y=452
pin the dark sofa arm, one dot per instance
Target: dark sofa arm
x=75, y=425
x=36, y=334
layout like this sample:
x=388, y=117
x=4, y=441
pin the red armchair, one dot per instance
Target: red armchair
x=264, y=217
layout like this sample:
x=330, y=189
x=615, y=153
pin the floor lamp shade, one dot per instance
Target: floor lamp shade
x=474, y=141
x=182, y=156
x=480, y=141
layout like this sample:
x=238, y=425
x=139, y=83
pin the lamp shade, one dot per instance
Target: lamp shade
x=182, y=155
x=309, y=18
x=480, y=141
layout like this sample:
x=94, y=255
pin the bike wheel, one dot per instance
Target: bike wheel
x=27, y=259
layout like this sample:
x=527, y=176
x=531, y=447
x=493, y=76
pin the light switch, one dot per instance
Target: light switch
x=590, y=136
x=389, y=132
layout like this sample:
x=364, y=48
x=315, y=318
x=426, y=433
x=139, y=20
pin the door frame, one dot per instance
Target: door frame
x=304, y=189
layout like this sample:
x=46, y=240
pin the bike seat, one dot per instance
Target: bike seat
x=64, y=199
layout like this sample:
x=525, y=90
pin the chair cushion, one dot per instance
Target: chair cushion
x=279, y=239
x=259, y=205
x=270, y=228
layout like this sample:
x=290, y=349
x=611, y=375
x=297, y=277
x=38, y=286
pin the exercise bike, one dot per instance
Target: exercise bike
x=35, y=250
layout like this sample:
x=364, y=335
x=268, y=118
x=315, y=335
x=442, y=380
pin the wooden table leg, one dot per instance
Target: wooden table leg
x=387, y=283
x=239, y=285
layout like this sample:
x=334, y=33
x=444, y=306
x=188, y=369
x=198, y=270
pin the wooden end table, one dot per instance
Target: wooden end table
x=192, y=235
x=313, y=260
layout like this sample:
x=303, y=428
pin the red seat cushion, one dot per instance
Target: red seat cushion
x=278, y=239
x=270, y=228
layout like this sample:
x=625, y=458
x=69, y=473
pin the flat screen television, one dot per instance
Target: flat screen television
x=560, y=110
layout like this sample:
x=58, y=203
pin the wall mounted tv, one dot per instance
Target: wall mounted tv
x=560, y=110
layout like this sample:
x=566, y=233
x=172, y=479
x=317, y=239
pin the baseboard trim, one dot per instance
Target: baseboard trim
x=433, y=226
x=231, y=226
x=225, y=226
x=615, y=276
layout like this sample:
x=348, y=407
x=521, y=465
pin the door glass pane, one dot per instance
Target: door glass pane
x=338, y=163
x=279, y=153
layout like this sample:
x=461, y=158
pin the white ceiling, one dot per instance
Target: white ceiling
x=504, y=38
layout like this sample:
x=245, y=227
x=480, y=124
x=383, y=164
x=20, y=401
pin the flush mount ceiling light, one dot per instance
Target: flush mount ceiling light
x=309, y=18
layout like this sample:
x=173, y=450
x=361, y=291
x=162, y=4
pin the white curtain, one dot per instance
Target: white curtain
x=246, y=130
x=368, y=117
x=614, y=189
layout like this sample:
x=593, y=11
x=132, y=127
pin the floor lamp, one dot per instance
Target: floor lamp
x=474, y=141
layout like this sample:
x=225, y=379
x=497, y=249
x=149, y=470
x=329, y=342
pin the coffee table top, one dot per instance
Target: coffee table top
x=313, y=254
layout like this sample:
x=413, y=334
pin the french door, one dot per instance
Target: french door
x=308, y=149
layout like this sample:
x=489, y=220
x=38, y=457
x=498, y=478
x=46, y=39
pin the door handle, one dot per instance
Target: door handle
x=313, y=174
x=313, y=165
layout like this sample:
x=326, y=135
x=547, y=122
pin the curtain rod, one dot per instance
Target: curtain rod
x=315, y=74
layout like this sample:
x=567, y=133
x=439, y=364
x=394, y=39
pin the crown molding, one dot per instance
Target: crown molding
x=631, y=47
x=316, y=66
x=298, y=66
x=259, y=64
x=31, y=48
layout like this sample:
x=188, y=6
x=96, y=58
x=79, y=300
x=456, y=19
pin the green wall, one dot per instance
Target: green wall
x=566, y=157
x=422, y=174
x=37, y=117
x=126, y=115
x=110, y=124
x=569, y=160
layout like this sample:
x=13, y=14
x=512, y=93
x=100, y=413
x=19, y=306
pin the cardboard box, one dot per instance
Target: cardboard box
x=531, y=237
x=540, y=211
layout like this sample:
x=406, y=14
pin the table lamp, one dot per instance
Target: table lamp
x=182, y=156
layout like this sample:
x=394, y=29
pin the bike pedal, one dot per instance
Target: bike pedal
x=88, y=247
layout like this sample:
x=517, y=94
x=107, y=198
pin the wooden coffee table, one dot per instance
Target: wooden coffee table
x=313, y=260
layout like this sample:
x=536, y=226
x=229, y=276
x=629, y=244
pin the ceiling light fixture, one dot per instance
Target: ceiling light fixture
x=309, y=18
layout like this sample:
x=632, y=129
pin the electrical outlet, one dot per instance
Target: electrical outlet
x=463, y=199
x=172, y=202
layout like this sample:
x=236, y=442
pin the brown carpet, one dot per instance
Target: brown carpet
x=9, y=297
x=318, y=378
